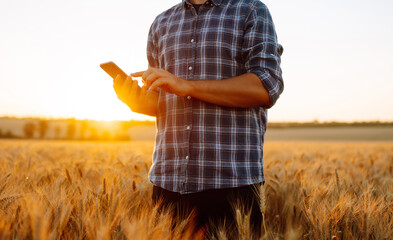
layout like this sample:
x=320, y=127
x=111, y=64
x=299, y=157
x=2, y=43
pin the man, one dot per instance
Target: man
x=215, y=68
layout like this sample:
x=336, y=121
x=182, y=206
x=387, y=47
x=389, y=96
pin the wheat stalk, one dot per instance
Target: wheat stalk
x=337, y=180
x=68, y=176
x=262, y=203
x=243, y=223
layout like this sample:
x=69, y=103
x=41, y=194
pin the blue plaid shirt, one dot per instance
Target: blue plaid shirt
x=200, y=145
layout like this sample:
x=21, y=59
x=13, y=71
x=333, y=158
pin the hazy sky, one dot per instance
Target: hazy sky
x=337, y=62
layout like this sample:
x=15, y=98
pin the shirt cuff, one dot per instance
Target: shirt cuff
x=273, y=86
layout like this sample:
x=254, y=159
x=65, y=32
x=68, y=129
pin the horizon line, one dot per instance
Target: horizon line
x=317, y=121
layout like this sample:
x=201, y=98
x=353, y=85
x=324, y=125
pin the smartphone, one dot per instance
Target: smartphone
x=113, y=70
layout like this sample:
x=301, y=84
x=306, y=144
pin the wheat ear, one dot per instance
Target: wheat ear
x=262, y=203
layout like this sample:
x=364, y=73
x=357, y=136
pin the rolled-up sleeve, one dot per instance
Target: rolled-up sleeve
x=261, y=51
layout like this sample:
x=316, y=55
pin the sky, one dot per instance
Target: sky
x=337, y=62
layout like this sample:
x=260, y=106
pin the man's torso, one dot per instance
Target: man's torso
x=200, y=145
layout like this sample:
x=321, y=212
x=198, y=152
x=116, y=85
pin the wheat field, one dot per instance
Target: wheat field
x=98, y=190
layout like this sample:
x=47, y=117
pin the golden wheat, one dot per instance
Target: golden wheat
x=71, y=190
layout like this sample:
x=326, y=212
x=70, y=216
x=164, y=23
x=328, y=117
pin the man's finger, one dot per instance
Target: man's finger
x=137, y=89
x=156, y=84
x=142, y=94
x=138, y=74
x=123, y=89
x=125, y=85
x=118, y=80
x=128, y=79
x=117, y=84
x=147, y=73
x=151, y=78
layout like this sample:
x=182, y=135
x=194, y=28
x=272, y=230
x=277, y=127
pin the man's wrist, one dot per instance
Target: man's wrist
x=190, y=88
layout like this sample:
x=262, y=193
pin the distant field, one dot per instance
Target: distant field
x=331, y=134
x=100, y=190
x=146, y=130
x=354, y=134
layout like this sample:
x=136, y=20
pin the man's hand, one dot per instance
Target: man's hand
x=166, y=81
x=135, y=97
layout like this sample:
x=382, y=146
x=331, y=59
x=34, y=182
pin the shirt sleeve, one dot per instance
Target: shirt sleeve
x=261, y=51
x=151, y=50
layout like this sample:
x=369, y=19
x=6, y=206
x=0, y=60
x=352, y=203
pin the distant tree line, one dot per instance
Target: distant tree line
x=7, y=134
x=75, y=130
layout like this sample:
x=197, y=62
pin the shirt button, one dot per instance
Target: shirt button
x=189, y=68
x=188, y=127
x=187, y=157
x=188, y=97
x=192, y=40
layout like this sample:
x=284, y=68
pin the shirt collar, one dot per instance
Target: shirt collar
x=215, y=2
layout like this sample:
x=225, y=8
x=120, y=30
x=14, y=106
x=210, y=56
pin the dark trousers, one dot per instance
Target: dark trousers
x=213, y=208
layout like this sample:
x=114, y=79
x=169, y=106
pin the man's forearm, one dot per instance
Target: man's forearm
x=149, y=109
x=245, y=90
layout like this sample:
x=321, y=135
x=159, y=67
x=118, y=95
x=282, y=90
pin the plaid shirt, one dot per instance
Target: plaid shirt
x=200, y=145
